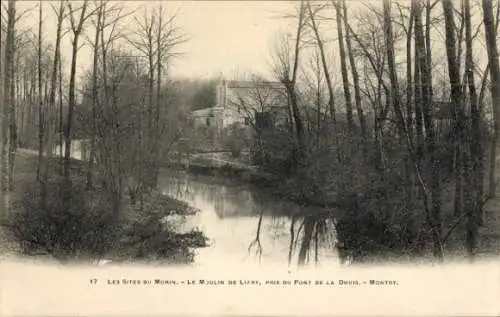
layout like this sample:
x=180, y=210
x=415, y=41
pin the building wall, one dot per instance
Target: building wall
x=241, y=100
x=208, y=117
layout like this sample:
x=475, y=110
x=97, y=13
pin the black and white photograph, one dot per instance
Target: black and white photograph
x=237, y=136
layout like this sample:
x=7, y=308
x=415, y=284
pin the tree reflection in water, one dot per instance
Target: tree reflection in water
x=250, y=223
x=256, y=241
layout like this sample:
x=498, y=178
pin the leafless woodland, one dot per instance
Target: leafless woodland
x=392, y=121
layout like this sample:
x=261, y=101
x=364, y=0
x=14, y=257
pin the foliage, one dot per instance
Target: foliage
x=90, y=230
x=273, y=151
x=235, y=138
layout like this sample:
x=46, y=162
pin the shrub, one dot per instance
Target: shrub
x=377, y=223
x=235, y=139
x=374, y=217
x=85, y=228
x=89, y=230
x=273, y=151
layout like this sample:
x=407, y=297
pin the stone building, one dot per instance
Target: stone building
x=248, y=103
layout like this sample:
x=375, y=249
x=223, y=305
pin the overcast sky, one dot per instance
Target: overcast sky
x=225, y=36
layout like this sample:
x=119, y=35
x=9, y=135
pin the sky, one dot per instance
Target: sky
x=224, y=36
x=229, y=36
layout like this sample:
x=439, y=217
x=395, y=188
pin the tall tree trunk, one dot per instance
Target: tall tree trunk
x=409, y=109
x=5, y=133
x=150, y=106
x=389, y=38
x=157, y=129
x=457, y=104
x=77, y=30
x=419, y=126
x=53, y=82
x=355, y=76
x=343, y=65
x=19, y=102
x=331, y=100
x=434, y=211
x=94, y=97
x=61, y=121
x=12, y=107
x=291, y=89
x=428, y=8
x=41, y=119
x=491, y=46
x=3, y=207
x=474, y=206
x=324, y=63
x=69, y=118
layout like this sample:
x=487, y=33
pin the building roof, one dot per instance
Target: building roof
x=254, y=84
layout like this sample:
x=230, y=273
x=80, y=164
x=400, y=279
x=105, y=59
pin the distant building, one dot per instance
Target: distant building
x=251, y=103
x=208, y=117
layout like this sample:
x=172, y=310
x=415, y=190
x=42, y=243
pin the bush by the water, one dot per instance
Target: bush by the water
x=374, y=226
x=83, y=227
x=236, y=139
x=376, y=216
x=87, y=229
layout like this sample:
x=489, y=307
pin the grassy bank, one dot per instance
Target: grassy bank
x=87, y=229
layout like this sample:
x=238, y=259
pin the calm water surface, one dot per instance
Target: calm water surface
x=230, y=217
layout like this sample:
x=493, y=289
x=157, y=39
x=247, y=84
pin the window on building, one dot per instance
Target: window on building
x=207, y=121
x=247, y=121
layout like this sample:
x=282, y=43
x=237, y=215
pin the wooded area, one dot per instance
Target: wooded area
x=401, y=146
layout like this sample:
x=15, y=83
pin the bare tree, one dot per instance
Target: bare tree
x=355, y=75
x=169, y=36
x=156, y=39
x=491, y=46
x=434, y=192
x=286, y=69
x=343, y=64
x=428, y=26
x=375, y=53
x=56, y=64
x=41, y=119
x=331, y=98
x=76, y=28
x=319, y=42
x=474, y=177
x=98, y=30
x=6, y=116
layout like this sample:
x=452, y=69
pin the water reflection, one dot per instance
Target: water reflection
x=249, y=227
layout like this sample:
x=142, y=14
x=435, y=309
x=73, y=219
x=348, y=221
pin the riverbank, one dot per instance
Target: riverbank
x=89, y=231
x=235, y=172
x=287, y=189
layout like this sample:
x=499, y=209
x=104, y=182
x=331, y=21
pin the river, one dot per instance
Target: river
x=230, y=215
